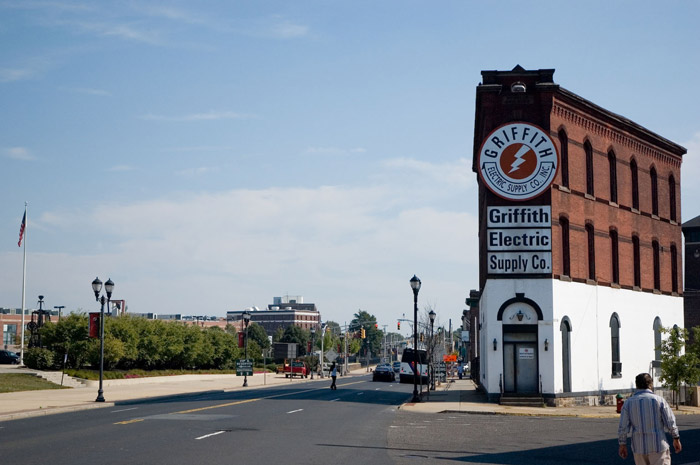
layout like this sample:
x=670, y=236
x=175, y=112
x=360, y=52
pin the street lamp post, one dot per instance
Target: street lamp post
x=432, y=346
x=415, y=285
x=246, y=320
x=59, y=308
x=97, y=287
x=313, y=348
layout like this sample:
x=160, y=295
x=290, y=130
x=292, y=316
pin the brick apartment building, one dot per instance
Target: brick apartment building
x=580, y=241
x=283, y=312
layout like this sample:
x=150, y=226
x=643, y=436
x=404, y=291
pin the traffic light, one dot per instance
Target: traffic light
x=362, y=333
x=398, y=325
x=376, y=326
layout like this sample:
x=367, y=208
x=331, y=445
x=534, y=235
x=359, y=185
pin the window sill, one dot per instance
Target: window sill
x=616, y=375
x=565, y=189
x=614, y=204
x=591, y=281
x=564, y=277
x=654, y=217
x=615, y=285
x=589, y=196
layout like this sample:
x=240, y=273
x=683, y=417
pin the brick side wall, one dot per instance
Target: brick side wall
x=604, y=215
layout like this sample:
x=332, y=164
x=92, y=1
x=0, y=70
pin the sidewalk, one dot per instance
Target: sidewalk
x=461, y=396
x=25, y=404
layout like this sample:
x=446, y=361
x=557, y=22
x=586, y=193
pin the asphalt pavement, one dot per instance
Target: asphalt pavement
x=457, y=396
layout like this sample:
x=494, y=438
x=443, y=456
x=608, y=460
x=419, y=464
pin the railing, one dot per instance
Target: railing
x=500, y=383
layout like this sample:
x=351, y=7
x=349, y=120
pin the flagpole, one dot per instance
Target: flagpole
x=24, y=280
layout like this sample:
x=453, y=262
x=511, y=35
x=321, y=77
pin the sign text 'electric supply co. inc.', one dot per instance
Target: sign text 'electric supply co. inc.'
x=519, y=240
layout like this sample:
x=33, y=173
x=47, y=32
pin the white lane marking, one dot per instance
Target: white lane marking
x=124, y=410
x=335, y=400
x=377, y=389
x=297, y=410
x=210, y=435
x=360, y=393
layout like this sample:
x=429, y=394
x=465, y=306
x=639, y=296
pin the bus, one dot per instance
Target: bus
x=407, y=374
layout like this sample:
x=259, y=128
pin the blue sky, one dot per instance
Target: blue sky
x=208, y=156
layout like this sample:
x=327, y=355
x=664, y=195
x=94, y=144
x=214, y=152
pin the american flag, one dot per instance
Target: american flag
x=21, y=229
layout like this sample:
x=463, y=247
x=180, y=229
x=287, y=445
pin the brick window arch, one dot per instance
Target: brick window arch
x=564, y=156
x=614, y=256
x=674, y=268
x=565, y=251
x=590, y=234
x=612, y=162
x=590, y=187
x=657, y=264
x=654, y=192
x=672, y=197
x=637, y=261
x=635, y=184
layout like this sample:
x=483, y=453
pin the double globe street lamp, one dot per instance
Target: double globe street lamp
x=97, y=287
x=432, y=348
x=415, y=285
x=246, y=320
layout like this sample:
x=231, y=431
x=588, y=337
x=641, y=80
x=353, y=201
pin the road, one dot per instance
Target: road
x=292, y=424
x=307, y=423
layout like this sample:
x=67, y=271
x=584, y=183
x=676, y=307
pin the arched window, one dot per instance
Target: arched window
x=615, y=259
x=565, y=251
x=589, y=168
x=674, y=268
x=635, y=184
x=657, y=264
x=637, y=262
x=590, y=233
x=564, y=155
x=615, y=345
x=657, y=338
x=654, y=192
x=565, y=328
x=612, y=162
x=672, y=197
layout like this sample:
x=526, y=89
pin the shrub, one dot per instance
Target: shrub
x=40, y=359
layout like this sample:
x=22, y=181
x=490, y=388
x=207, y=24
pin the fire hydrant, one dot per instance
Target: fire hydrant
x=620, y=401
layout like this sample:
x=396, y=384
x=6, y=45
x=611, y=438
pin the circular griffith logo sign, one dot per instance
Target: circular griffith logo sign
x=518, y=161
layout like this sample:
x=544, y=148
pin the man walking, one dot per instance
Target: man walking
x=334, y=374
x=646, y=415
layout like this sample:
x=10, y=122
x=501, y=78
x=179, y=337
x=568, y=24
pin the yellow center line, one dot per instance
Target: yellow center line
x=217, y=406
x=126, y=422
x=229, y=404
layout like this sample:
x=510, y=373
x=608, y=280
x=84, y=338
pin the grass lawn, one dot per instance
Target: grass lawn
x=13, y=382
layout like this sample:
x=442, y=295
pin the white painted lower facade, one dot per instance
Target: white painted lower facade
x=588, y=310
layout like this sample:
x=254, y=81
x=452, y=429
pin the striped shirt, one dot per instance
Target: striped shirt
x=646, y=415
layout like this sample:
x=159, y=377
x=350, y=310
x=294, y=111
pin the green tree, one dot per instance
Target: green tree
x=295, y=334
x=373, y=334
x=257, y=333
x=677, y=368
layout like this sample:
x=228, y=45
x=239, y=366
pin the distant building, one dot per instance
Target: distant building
x=283, y=312
x=11, y=325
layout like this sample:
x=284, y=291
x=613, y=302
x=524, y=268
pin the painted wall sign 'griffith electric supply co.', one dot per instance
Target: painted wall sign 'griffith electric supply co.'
x=519, y=240
x=518, y=161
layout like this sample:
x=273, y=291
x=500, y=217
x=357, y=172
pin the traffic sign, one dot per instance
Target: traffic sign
x=244, y=367
x=331, y=355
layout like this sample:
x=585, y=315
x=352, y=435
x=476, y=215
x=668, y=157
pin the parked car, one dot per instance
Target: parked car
x=7, y=357
x=384, y=372
x=397, y=366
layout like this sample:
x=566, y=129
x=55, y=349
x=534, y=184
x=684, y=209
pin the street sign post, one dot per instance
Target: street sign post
x=244, y=367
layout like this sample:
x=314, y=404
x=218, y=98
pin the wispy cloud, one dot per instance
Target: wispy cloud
x=126, y=31
x=198, y=171
x=121, y=168
x=19, y=153
x=286, y=29
x=333, y=151
x=457, y=173
x=87, y=91
x=209, y=116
